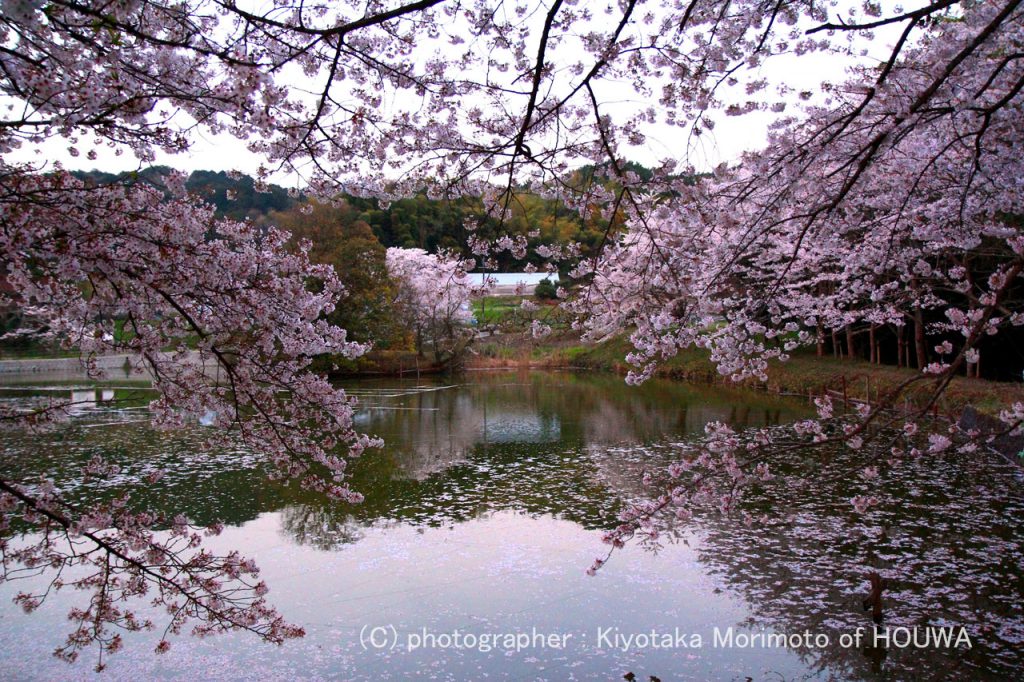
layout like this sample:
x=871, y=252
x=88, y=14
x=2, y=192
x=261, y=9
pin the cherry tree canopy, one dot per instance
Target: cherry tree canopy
x=435, y=286
x=905, y=193
x=891, y=191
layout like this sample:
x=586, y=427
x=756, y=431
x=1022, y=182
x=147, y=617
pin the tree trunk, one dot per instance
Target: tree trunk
x=901, y=347
x=919, y=340
x=849, y=342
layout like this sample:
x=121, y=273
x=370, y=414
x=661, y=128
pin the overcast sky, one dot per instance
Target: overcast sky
x=730, y=138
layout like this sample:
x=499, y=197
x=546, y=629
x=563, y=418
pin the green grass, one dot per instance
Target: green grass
x=36, y=353
x=505, y=314
x=376, y=362
x=493, y=310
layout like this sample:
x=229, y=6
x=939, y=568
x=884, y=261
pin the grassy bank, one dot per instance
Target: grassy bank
x=377, y=363
x=802, y=375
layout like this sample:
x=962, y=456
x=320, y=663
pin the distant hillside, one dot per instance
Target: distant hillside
x=418, y=221
x=211, y=186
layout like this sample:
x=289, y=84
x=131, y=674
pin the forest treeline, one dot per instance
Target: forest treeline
x=415, y=222
x=353, y=235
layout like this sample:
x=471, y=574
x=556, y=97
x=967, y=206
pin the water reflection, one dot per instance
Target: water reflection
x=432, y=427
x=487, y=503
x=946, y=536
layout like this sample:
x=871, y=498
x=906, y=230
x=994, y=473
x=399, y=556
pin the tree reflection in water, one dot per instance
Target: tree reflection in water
x=946, y=537
x=547, y=446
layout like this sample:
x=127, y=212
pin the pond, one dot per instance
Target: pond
x=467, y=558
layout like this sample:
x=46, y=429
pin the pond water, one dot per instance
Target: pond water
x=487, y=505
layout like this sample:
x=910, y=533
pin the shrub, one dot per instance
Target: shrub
x=546, y=289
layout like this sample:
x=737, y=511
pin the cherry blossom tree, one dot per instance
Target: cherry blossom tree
x=432, y=299
x=192, y=294
x=870, y=209
x=887, y=194
x=898, y=196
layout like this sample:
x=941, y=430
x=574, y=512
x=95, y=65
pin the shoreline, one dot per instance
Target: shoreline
x=970, y=403
x=803, y=375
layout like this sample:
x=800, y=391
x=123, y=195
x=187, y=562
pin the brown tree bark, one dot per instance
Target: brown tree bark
x=901, y=347
x=919, y=340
